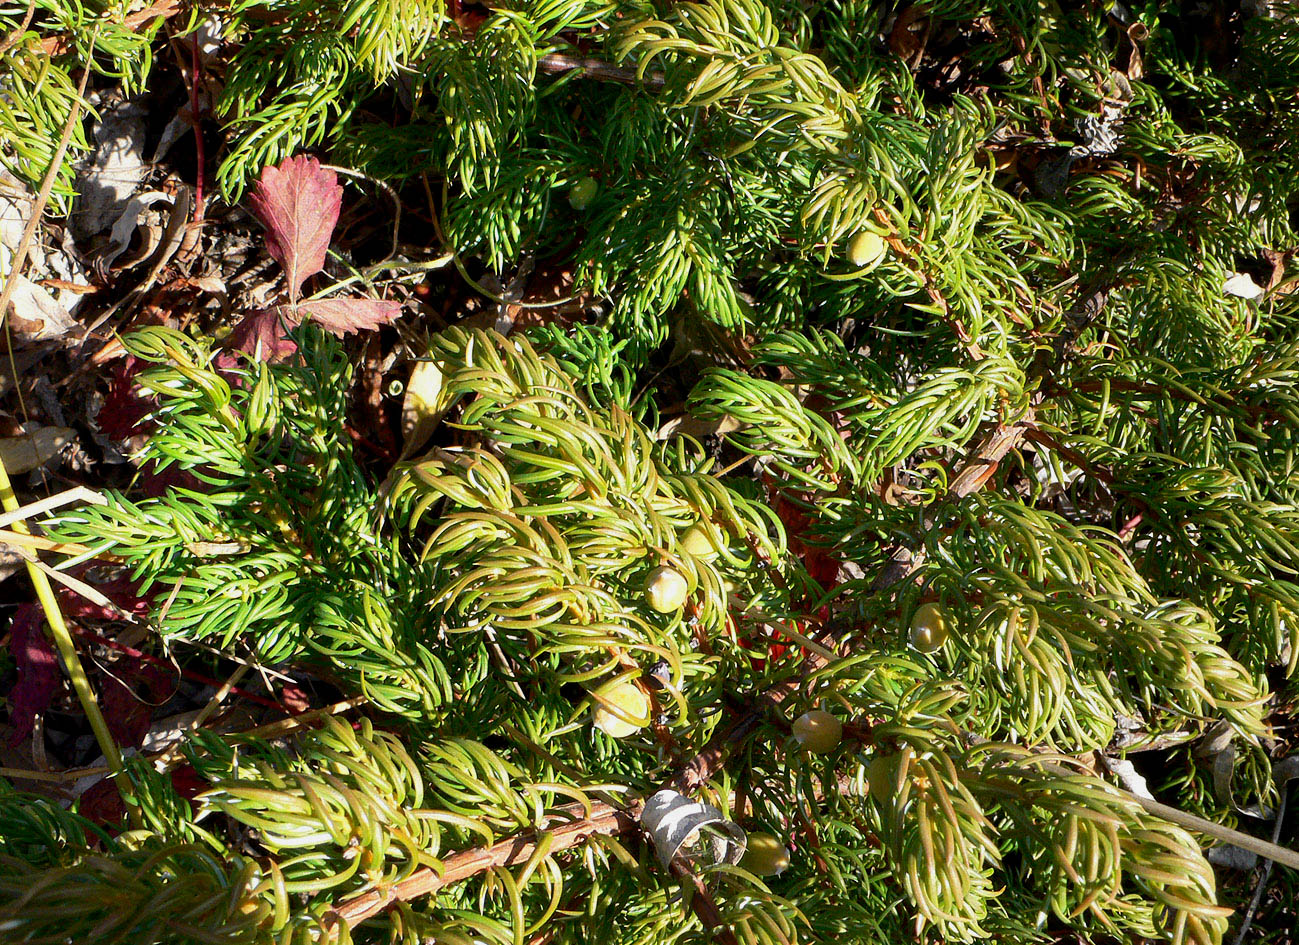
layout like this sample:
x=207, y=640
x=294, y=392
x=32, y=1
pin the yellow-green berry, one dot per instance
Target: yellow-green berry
x=699, y=542
x=764, y=855
x=582, y=193
x=929, y=628
x=866, y=248
x=621, y=710
x=881, y=775
x=665, y=589
x=818, y=731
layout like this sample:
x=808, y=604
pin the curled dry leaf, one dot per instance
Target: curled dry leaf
x=36, y=315
x=124, y=227
x=419, y=410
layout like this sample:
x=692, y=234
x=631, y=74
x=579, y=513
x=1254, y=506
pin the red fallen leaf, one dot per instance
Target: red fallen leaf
x=262, y=334
x=39, y=679
x=294, y=698
x=298, y=202
x=121, y=591
x=123, y=414
x=129, y=695
x=102, y=804
x=775, y=651
x=339, y=316
x=187, y=782
x=820, y=563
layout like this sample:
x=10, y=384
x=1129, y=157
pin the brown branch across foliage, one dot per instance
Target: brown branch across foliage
x=575, y=824
x=560, y=64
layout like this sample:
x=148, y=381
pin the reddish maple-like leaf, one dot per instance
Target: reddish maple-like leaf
x=102, y=804
x=340, y=316
x=262, y=334
x=294, y=698
x=122, y=591
x=822, y=565
x=298, y=203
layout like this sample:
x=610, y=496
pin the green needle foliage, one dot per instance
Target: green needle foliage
x=1033, y=406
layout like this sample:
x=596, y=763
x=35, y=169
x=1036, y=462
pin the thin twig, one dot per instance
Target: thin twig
x=935, y=294
x=195, y=118
x=702, y=904
x=559, y=64
x=973, y=475
x=978, y=470
x=14, y=38
x=22, y=539
x=1261, y=885
x=43, y=196
x=67, y=497
x=603, y=819
x=1173, y=815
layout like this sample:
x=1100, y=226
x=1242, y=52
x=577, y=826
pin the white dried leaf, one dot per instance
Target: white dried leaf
x=1242, y=286
x=33, y=303
x=15, y=208
x=674, y=823
x=106, y=183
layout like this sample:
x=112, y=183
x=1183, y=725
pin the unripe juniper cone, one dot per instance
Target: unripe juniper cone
x=765, y=855
x=665, y=590
x=582, y=193
x=698, y=542
x=621, y=710
x=866, y=247
x=818, y=731
x=881, y=776
x=928, y=627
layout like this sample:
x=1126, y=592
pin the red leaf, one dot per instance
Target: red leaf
x=343, y=315
x=294, y=698
x=123, y=414
x=122, y=591
x=822, y=565
x=298, y=203
x=102, y=804
x=39, y=679
x=129, y=695
x=260, y=334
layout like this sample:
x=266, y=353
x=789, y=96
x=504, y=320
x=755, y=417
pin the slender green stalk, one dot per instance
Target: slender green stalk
x=63, y=639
